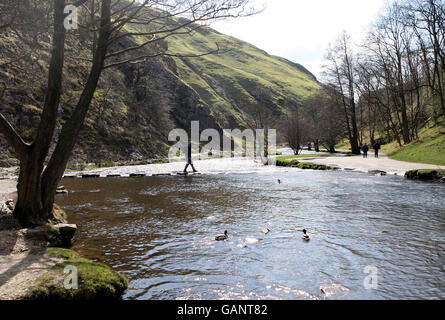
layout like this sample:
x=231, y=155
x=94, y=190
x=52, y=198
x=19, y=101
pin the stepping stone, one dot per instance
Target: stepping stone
x=86, y=176
x=188, y=174
x=113, y=176
x=61, y=191
x=162, y=174
x=378, y=172
x=134, y=175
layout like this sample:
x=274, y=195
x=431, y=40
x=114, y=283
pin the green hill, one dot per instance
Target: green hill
x=231, y=79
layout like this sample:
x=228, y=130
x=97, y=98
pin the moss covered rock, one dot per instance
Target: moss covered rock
x=313, y=166
x=282, y=162
x=94, y=280
x=426, y=175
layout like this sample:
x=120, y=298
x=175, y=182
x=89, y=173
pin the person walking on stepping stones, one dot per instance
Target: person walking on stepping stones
x=189, y=159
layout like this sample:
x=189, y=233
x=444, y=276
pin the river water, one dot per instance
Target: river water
x=159, y=232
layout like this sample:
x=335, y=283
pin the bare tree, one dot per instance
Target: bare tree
x=260, y=116
x=394, y=84
x=293, y=132
x=426, y=19
x=322, y=119
x=340, y=74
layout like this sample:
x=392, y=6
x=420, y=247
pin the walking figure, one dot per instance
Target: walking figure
x=365, y=149
x=189, y=158
x=376, y=147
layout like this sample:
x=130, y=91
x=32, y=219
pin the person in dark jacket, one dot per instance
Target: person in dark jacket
x=365, y=149
x=189, y=159
x=376, y=147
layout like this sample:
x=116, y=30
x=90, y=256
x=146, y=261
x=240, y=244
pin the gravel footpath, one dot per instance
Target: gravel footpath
x=357, y=163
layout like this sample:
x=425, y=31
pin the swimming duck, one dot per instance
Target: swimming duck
x=265, y=230
x=222, y=237
x=305, y=236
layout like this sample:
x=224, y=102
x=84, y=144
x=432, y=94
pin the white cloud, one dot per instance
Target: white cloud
x=301, y=30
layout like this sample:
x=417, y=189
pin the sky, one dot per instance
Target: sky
x=301, y=30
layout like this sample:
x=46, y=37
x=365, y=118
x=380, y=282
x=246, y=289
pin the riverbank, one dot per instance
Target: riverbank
x=32, y=264
x=30, y=269
x=358, y=163
x=39, y=274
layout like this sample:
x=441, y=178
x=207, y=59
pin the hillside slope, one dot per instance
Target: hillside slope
x=136, y=106
x=238, y=75
x=430, y=148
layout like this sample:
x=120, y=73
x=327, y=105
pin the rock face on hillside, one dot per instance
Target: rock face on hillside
x=137, y=105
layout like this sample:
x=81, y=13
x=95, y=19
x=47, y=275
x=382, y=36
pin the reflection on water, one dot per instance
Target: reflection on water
x=159, y=231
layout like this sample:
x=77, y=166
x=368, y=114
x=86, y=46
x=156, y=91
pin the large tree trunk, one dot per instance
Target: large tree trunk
x=36, y=190
x=70, y=130
x=354, y=138
x=29, y=209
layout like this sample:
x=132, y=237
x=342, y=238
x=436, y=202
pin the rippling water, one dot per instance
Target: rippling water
x=159, y=232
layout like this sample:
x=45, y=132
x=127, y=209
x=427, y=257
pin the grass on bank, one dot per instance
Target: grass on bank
x=95, y=280
x=430, y=148
x=292, y=162
x=303, y=156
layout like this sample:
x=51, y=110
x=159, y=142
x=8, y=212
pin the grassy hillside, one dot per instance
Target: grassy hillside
x=231, y=80
x=430, y=148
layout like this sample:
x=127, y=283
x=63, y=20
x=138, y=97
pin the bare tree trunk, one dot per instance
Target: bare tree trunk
x=67, y=139
x=29, y=208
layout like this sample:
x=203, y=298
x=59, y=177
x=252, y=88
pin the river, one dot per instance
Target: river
x=159, y=232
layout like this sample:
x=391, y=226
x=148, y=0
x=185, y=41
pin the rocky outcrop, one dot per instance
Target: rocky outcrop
x=426, y=175
x=301, y=165
x=378, y=172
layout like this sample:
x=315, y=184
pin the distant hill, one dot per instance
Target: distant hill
x=235, y=77
x=137, y=105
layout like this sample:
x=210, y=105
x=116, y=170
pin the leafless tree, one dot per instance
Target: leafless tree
x=293, y=131
x=340, y=74
x=322, y=119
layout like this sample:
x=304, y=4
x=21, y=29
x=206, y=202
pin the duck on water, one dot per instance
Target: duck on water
x=222, y=237
x=305, y=236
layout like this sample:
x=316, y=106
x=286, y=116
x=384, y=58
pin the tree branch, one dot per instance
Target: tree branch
x=12, y=137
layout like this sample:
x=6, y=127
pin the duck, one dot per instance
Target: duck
x=305, y=236
x=265, y=230
x=222, y=237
